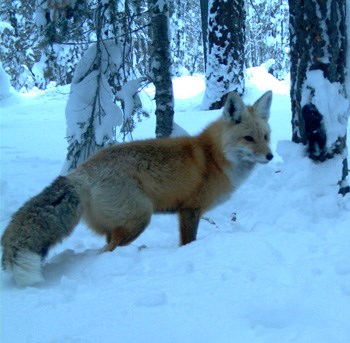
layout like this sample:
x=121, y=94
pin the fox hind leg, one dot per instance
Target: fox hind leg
x=120, y=217
x=121, y=236
x=128, y=229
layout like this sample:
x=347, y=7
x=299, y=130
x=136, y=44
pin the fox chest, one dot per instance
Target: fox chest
x=238, y=173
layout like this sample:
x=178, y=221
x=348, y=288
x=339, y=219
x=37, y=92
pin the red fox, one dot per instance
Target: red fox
x=118, y=189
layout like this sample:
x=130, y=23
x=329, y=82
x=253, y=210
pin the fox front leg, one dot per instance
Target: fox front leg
x=189, y=220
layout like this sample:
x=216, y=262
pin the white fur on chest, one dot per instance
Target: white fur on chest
x=239, y=172
x=242, y=163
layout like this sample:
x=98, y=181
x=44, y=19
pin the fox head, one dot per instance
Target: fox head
x=246, y=134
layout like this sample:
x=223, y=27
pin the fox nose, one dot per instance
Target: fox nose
x=269, y=156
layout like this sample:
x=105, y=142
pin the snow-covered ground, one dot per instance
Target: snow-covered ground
x=272, y=264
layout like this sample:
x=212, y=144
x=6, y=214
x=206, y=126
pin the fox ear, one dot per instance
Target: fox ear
x=233, y=109
x=263, y=104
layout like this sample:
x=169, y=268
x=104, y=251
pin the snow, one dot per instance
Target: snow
x=348, y=46
x=80, y=106
x=6, y=90
x=91, y=96
x=160, y=4
x=329, y=99
x=38, y=70
x=272, y=264
x=39, y=16
x=128, y=95
x=4, y=25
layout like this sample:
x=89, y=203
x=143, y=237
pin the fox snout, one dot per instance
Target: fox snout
x=245, y=154
x=269, y=156
x=260, y=158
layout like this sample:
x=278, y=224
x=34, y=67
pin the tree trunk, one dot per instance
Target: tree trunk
x=225, y=59
x=161, y=68
x=204, y=20
x=320, y=105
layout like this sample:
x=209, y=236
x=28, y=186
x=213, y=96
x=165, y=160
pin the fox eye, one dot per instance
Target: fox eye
x=249, y=138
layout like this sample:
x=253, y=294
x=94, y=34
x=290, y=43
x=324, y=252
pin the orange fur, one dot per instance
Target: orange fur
x=121, y=186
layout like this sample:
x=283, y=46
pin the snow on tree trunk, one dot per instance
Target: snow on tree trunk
x=91, y=113
x=161, y=67
x=225, y=59
x=320, y=106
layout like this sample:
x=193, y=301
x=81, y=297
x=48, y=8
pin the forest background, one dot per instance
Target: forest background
x=43, y=43
x=109, y=50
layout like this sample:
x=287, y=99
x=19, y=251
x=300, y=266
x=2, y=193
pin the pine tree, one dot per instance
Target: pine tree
x=18, y=48
x=91, y=113
x=204, y=6
x=65, y=30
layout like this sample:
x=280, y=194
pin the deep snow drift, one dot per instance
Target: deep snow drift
x=272, y=264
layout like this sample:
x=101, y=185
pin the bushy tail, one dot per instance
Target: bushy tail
x=40, y=223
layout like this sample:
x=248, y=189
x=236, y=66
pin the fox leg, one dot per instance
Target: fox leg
x=121, y=236
x=189, y=220
x=124, y=234
x=121, y=219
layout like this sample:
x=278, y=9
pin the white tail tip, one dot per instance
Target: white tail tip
x=26, y=268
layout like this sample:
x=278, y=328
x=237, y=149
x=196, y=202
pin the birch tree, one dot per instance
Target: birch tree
x=320, y=105
x=204, y=16
x=225, y=54
x=161, y=67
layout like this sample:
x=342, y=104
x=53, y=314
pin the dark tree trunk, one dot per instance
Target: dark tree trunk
x=318, y=42
x=204, y=20
x=161, y=68
x=225, y=56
